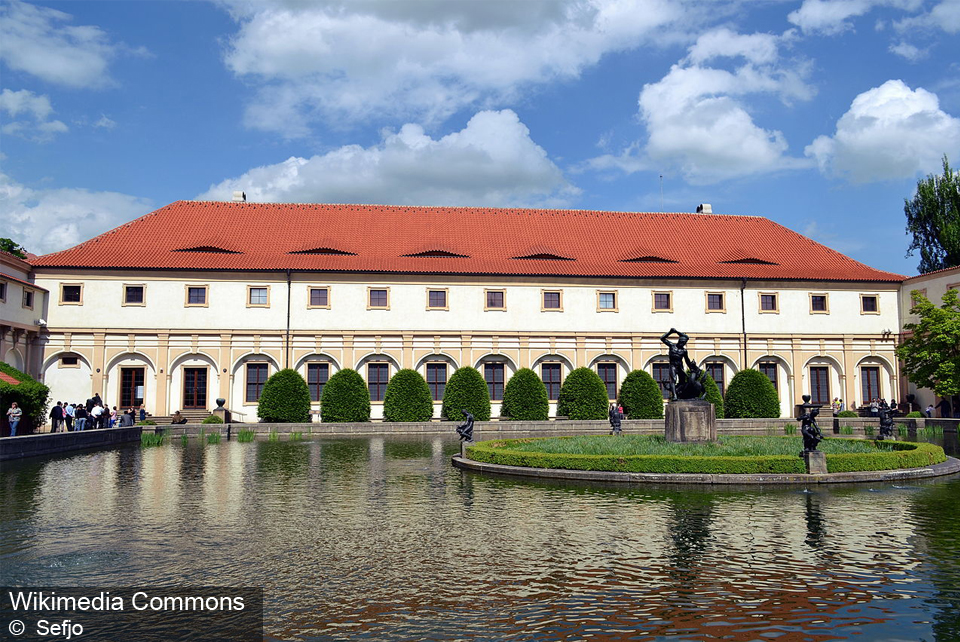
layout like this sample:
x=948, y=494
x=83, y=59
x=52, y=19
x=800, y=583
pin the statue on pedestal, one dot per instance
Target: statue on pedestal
x=465, y=430
x=886, y=423
x=682, y=385
x=808, y=425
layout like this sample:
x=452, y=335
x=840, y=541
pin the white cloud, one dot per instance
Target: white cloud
x=889, y=132
x=346, y=62
x=51, y=220
x=831, y=17
x=104, y=123
x=696, y=120
x=40, y=42
x=908, y=51
x=945, y=16
x=36, y=110
x=492, y=161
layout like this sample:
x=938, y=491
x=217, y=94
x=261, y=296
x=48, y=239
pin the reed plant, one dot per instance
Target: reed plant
x=246, y=435
x=151, y=439
x=296, y=436
x=184, y=440
x=868, y=431
x=903, y=430
x=274, y=436
x=213, y=438
x=846, y=430
x=790, y=430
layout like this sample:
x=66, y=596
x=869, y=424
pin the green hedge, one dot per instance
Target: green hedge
x=466, y=390
x=285, y=398
x=525, y=397
x=32, y=396
x=212, y=419
x=890, y=456
x=346, y=398
x=751, y=395
x=640, y=396
x=583, y=395
x=916, y=414
x=407, y=398
x=847, y=413
x=713, y=394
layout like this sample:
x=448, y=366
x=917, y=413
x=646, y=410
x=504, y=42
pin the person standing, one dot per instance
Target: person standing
x=80, y=415
x=13, y=416
x=68, y=415
x=113, y=417
x=143, y=412
x=56, y=417
x=95, y=414
x=929, y=411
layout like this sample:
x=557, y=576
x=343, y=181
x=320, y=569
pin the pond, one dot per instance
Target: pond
x=382, y=539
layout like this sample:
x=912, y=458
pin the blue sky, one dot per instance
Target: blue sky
x=818, y=114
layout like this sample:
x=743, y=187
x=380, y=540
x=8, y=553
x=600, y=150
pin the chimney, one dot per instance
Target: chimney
x=241, y=197
x=704, y=208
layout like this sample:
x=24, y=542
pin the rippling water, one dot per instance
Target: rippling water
x=381, y=539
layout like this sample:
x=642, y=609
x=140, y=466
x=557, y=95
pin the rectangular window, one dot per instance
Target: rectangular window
x=818, y=304
x=256, y=377
x=379, y=299
x=436, y=299
x=820, y=384
x=258, y=297
x=437, y=379
x=27, y=298
x=607, y=301
x=134, y=295
x=869, y=383
x=377, y=376
x=493, y=373
x=69, y=362
x=496, y=300
x=661, y=374
x=715, y=370
x=71, y=294
x=319, y=298
x=769, y=368
x=769, y=303
x=3, y=291
x=197, y=295
x=317, y=376
x=715, y=302
x=550, y=373
x=869, y=304
x=662, y=302
x=551, y=300
x=608, y=374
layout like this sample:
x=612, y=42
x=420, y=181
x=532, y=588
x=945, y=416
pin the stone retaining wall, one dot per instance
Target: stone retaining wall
x=63, y=442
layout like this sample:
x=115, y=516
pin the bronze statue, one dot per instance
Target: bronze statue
x=465, y=430
x=808, y=424
x=682, y=385
x=886, y=423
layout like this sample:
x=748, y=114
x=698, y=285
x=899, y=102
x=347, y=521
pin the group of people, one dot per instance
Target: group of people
x=616, y=416
x=837, y=405
x=90, y=415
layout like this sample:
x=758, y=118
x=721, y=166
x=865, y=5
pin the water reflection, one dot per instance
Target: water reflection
x=382, y=539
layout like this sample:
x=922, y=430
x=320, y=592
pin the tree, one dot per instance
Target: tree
x=346, y=398
x=285, y=399
x=751, y=394
x=583, y=395
x=525, y=397
x=11, y=246
x=933, y=217
x=32, y=396
x=407, y=398
x=466, y=390
x=640, y=396
x=931, y=352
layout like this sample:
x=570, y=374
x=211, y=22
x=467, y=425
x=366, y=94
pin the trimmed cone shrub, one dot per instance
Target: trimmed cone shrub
x=713, y=394
x=32, y=396
x=466, y=390
x=346, y=398
x=640, y=396
x=916, y=414
x=213, y=419
x=850, y=413
x=525, y=397
x=407, y=398
x=749, y=395
x=285, y=398
x=583, y=396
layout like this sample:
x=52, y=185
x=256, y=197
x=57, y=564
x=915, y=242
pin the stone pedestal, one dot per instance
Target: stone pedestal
x=815, y=462
x=223, y=413
x=463, y=448
x=690, y=420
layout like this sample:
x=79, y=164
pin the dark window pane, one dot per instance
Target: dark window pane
x=377, y=376
x=714, y=301
x=820, y=385
x=438, y=299
x=661, y=301
x=256, y=377
x=608, y=301
x=437, y=379
x=70, y=361
x=318, y=296
x=551, y=300
x=715, y=370
x=608, y=374
x=768, y=301
x=493, y=373
x=495, y=300
x=196, y=296
x=870, y=383
x=133, y=294
x=378, y=298
x=818, y=302
x=258, y=296
x=71, y=294
x=769, y=368
x=661, y=374
x=869, y=303
x=317, y=376
x=550, y=373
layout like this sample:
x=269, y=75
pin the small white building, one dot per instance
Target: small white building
x=201, y=300
x=23, y=307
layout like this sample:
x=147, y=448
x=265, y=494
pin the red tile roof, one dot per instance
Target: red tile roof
x=380, y=238
x=8, y=379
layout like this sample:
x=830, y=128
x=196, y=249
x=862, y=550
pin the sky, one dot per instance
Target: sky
x=818, y=114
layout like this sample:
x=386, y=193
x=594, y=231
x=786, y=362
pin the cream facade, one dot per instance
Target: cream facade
x=23, y=306
x=177, y=340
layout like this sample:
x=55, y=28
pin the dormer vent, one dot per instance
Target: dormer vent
x=239, y=197
x=704, y=208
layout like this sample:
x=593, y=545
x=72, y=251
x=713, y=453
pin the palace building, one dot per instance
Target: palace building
x=200, y=300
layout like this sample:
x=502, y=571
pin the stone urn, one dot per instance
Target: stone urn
x=220, y=402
